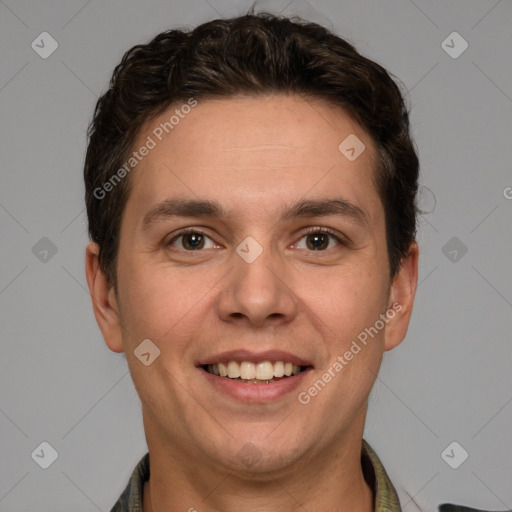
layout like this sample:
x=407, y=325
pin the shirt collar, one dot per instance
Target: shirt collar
x=384, y=494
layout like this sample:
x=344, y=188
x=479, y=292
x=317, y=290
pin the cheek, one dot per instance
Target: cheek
x=354, y=336
x=348, y=300
x=163, y=304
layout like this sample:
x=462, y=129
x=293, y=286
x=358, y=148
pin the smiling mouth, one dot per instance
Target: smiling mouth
x=255, y=373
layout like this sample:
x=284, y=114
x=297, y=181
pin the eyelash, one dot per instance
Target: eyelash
x=310, y=231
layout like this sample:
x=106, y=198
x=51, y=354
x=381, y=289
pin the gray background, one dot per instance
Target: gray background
x=449, y=381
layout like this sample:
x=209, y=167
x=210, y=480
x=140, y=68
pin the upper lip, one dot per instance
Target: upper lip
x=254, y=357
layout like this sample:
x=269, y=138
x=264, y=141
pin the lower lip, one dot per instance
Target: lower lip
x=255, y=393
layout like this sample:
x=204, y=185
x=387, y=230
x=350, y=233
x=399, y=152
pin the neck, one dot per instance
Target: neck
x=331, y=480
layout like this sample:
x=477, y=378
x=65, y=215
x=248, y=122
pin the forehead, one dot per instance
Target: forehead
x=256, y=151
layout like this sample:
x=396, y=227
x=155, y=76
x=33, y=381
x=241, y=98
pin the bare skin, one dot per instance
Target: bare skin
x=308, y=294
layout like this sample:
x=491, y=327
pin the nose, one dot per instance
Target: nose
x=258, y=291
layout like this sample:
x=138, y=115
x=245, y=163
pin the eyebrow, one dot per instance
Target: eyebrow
x=171, y=208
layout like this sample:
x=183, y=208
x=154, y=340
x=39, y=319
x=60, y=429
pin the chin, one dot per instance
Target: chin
x=258, y=458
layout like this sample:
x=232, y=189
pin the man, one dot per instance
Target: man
x=250, y=190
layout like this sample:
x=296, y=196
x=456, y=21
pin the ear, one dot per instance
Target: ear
x=104, y=300
x=401, y=298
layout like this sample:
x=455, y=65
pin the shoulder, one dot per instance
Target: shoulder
x=450, y=507
x=385, y=496
x=131, y=498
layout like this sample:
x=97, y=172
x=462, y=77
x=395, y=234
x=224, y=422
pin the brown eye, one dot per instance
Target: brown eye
x=190, y=240
x=317, y=241
x=193, y=241
x=320, y=239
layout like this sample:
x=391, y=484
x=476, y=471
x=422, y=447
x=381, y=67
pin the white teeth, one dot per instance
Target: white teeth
x=247, y=371
x=279, y=369
x=233, y=370
x=264, y=371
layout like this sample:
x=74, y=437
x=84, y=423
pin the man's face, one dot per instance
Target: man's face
x=255, y=285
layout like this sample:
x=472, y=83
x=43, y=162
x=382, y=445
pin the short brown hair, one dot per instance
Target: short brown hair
x=253, y=54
